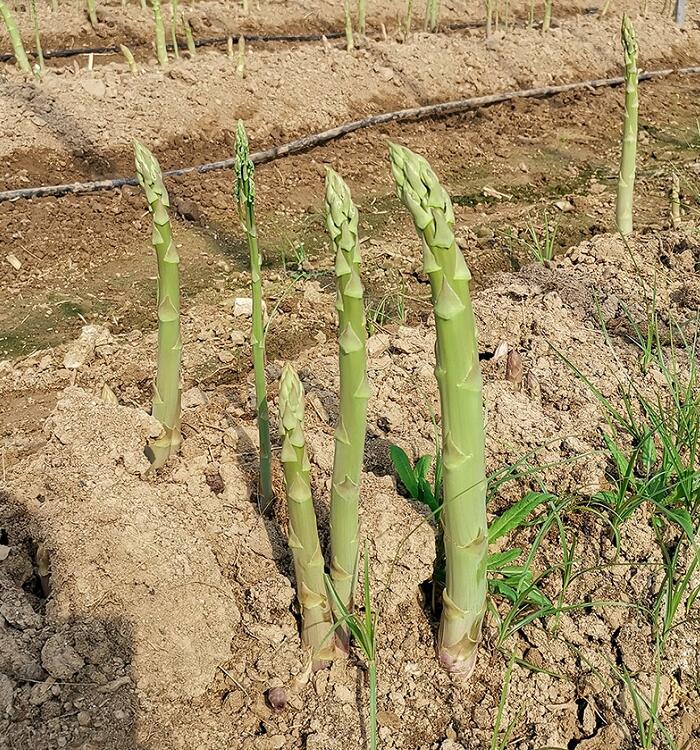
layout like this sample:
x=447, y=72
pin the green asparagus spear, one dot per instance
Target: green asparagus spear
x=362, y=16
x=129, y=57
x=189, y=37
x=303, y=532
x=92, y=13
x=342, y=223
x=245, y=198
x=675, y=201
x=37, y=39
x=173, y=28
x=161, y=48
x=459, y=380
x=625, y=183
x=349, y=41
x=166, y=392
x=15, y=38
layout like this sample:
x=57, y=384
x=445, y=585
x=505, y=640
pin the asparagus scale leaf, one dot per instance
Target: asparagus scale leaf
x=342, y=224
x=625, y=183
x=245, y=198
x=459, y=380
x=167, y=391
x=303, y=532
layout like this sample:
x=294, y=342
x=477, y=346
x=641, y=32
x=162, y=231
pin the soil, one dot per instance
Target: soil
x=157, y=612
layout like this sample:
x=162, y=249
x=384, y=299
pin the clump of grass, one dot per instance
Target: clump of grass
x=539, y=242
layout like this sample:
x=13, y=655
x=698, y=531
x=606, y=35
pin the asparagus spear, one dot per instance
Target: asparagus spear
x=303, y=532
x=349, y=41
x=161, y=49
x=675, y=201
x=173, y=27
x=129, y=57
x=15, y=38
x=166, y=392
x=189, y=37
x=245, y=198
x=625, y=183
x=459, y=380
x=37, y=39
x=92, y=13
x=362, y=16
x=547, y=18
x=342, y=223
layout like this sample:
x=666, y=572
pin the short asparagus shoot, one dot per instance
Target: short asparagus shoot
x=362, y=16
x=363, y=629
x=173, y=28
x=303, y=532
x=37, y=39
x=349, y=41
x=245, y=199
x=189, y=37
x=15, y=39
x=342, y=224
x=625, y=183
x=675, y=201
x=547, y=19
x=92, y=13
x=129, y=57
x=240, y=68
x=166, y=391
x=459, y=381
x=161, y=48
x=432, y=14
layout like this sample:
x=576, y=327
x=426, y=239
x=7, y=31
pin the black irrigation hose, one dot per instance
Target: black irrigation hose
x=212, y=41
x=317, y=139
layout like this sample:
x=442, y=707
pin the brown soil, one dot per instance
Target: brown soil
x=168, y=611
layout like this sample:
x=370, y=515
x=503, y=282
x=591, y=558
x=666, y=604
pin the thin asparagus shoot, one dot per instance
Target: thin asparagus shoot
x=459, y=381
x=166, y=391
x=409, y=18
x=303, y=532
x=15, y=38
x=189, y=37
x=547, y=19
x=37, y=38
x=625, y=183
x=229, y=47
x=240, y=68
x=245, y=199
x=129, y=57
x=173, y=28
x=161, y=48
x=349, y=41
x=432, y=14
x=342, y=224
x=362, y=16
x=92, y=13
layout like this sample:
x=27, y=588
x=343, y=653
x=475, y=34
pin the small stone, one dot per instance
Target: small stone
x=6, y=694
x=192, y=398
x=277, y=698
x=84, y=718
x=94, y=87
x=59, y=658
x=243, y=307
x=226, y=357
x=82, y=350
x=564, y=206
x=4, y=552
x=14, y=261
x=344, y=694
x=41, y=692
x=237, y=338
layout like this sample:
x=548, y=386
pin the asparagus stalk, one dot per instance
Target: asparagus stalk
x=240, y=68
x=37, y=39
x=245, y=198
x=229, y=47
x=342, y=224
x=459, y=380
x=409, y=18
x=167, y=391
x=129, y=57
x=161, y=49
x=349, y=41
x=189, y=37
x=15, y=38
x=547, y=19
x=92, y=13
x=173, y=28
x=362, y=16
x=432, y=13
x=303, y=532
x=625, y=183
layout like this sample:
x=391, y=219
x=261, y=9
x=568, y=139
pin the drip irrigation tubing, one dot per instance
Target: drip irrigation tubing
x=213, y=41
x=317, y=139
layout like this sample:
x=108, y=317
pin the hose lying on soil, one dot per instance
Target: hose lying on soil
x=318, y=139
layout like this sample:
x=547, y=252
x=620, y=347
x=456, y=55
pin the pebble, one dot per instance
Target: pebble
x=84, y=719
x=243, y=307
x=344, y=694
x=94, y=87
x=59, y=658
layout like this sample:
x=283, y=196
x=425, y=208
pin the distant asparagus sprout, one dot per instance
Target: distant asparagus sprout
x=489, y=6
x=432, y=15
x=229, y=47
x=625, y=183
x=173, y=27
x=408, y=20
x=679, y=12
x=15, y=38
x=459, y=381
x=161, y=48
x=547, y=19
x=240, y=68
x=342, y=224
x=191, y=46
x=675, y=201
x=245, y=199
x=303, y=532
x=349, y=41
x=143, y=5
x=166, y=391
x=362, y=16
x=37, y=38
x=92, y=13
x=246, y=6
x=129, y=57
x=54, y=6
